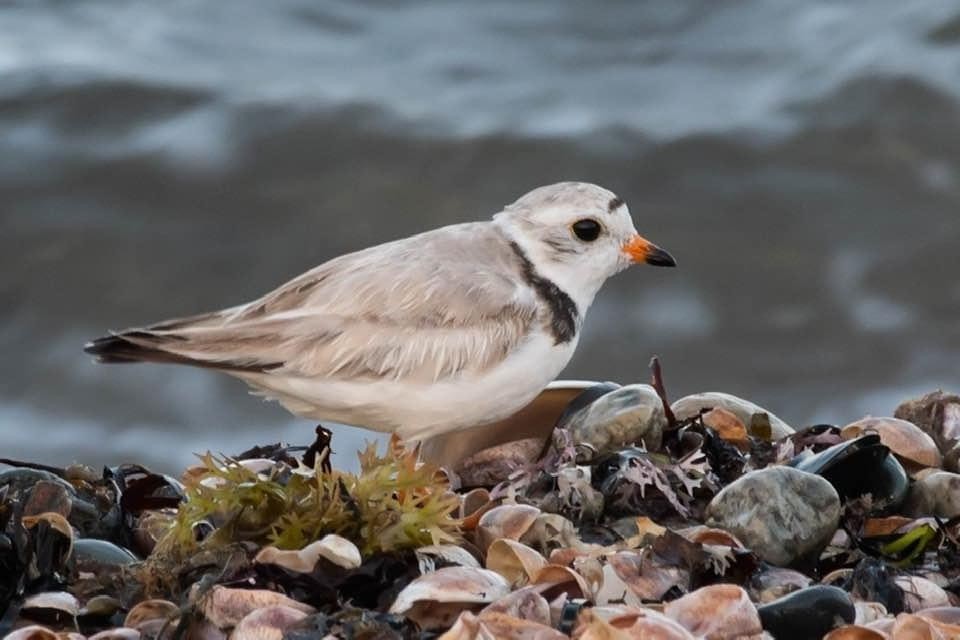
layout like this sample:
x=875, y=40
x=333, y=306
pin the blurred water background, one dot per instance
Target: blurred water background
x=801, y=160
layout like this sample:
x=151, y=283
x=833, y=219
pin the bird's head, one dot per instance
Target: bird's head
x=577, y=235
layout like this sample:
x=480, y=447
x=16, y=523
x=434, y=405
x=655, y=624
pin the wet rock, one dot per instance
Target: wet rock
x=744, y=410
x=92, y=554
x=860, y=467
x=780, y=513
x=907, y=441
x=494, y=465
x=808, y=613
x=627, y=415
x=936, y=494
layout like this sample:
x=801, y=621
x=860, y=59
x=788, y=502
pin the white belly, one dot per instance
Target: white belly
x=416, y=410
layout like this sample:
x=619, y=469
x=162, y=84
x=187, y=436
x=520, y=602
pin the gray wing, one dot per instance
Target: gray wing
x=428, y=307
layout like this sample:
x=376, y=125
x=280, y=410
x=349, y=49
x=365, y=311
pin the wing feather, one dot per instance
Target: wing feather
x=426, y=308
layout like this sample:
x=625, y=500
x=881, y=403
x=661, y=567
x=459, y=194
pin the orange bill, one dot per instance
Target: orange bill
x=642, y=250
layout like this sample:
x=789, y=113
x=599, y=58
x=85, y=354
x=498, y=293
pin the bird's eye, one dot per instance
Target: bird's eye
x=587, y=230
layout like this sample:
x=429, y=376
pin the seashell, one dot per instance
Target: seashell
x=51, y=607
x=525, y=603
x=908, y=626
x=509, y=521
x=152, y=616
x=943, y=615
x=515, y=561
x=771, y=583
x=838, y=577
x=536, y=420
x=332, y=547
x=867, y=612
x=921, y=593
x=628, y=624
x=120, y=633
x=855, y=632
x=645, y=579
x=906, y=440
x=935, y=494
x=151, y=526
x=48, y=497
x=858, y=467
x=554, y=580
x=810, y=612
x=744, y=410
x=551, y=531
x=451, y=554
x=101, y=606
x=720, y=610
x=434, y=600
x=55, y=530
x=728, y=426
x=499, y=626
x=225, y=607
x=702, y=534
x=473, y=501
x=31, y=632
x=268, y=623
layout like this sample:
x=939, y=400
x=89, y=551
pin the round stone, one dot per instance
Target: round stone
x=629, y=415
x=782, y=514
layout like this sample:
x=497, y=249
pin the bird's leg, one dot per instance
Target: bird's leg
x=319, y=451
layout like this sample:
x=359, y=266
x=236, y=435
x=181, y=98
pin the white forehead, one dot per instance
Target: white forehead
x=578, y=196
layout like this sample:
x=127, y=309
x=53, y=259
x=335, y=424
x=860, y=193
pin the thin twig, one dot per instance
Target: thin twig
x=662, y=392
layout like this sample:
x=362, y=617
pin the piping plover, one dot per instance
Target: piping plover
x=444, y=330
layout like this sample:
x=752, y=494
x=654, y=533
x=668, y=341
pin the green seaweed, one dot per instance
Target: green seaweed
x=394, y=502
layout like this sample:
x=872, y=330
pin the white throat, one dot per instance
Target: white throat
x=580, y=283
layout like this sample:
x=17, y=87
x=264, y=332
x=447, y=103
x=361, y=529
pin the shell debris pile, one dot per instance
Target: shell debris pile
x=632, y=517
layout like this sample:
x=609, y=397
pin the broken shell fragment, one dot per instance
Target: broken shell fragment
x=448, y=554
x=434, y=600
x=499, y=626
x=906, y=440
x=225, y=607
x=921, y=593
x=525, y=603
x=334, y=548
x=515, y=561
x=119, y=633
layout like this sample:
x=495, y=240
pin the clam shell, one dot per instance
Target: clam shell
x=720, y=610
x=499, y=626
x=629, y=624
x=920, y=593
x=509, y=521
x=225, y=607
x=268, y=623
x=434, y=600
x=334, y=548
x=149, y=611
x=855, y=632
x=120, y=633
x=525, y=603
x=554, y=579
x=906, y=440
x=515, y=561
x=449, y=553
x=31, y=632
